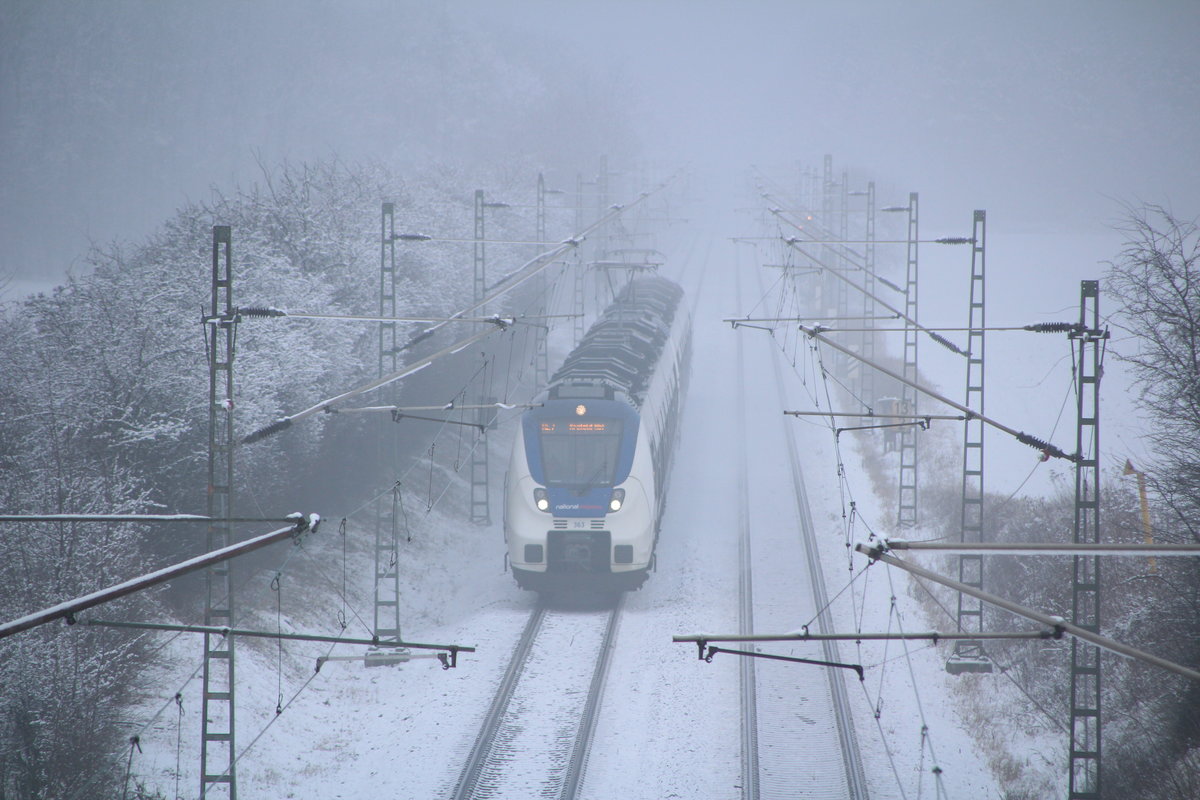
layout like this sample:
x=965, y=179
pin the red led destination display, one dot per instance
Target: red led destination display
x=571, y=426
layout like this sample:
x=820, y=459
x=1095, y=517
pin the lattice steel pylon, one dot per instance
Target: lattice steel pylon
x=969, y=655
x=907, y=516
x=217, y=750
x=480, y=505
x=387, y=553
x=541, y=359
x=603, y=245
x=867, y=387
x=829, y=283
x=578, y=327
x=1085, y=767
x=843, y=363
x=601, y=238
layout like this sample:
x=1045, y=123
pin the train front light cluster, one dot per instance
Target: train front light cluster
x=541, y=500
x=618, y=500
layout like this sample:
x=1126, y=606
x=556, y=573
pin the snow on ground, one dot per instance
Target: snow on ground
x=668, y=725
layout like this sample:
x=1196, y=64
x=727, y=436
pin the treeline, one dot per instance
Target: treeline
x=103, y=410
x=1151, y=717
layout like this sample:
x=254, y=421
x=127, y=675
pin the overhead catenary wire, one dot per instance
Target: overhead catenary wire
x=926, y=739
x=878, y=552
x=847, y=495
x=848, y=498
x=797, y=244
x=932, y=334
x=516, y=277
x=328, y=404
x=503, y=285
x=1025, y=438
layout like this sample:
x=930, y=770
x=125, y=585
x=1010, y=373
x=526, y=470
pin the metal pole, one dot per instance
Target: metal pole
x=907, y=516
x=843, y=364
x=386, y=622
x=828, y=256
x=1049, y=548
x=577, y=304
x=540, y=355
x=128, y=518
x=480, y=506
x=969, y=656
x=868, y=339
x=805, y=636
x=291, y=637
x=1085, y=752
x=217, y=750
x=67, y=610
x=480, y=277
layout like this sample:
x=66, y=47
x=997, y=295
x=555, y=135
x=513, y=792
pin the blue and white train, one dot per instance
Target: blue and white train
x=586, y=483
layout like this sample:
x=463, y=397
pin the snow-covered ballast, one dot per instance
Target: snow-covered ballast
x=585, y=487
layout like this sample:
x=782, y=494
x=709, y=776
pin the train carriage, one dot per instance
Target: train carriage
x=586, y=482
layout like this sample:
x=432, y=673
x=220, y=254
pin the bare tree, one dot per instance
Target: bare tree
x=1156, y=281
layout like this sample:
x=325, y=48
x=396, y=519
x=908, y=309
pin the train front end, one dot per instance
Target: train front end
x=579, y=495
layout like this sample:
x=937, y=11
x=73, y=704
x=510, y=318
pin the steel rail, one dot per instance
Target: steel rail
x=486, y=738
x=856, y=781
x=587, y=722
x=751, y=788
x=483, y=754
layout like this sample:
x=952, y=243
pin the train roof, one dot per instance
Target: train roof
x=623, y=347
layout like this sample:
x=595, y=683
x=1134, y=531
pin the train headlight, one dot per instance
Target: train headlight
x=617, y=500
x=541, y=500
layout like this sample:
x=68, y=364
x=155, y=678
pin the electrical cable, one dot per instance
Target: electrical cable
x=925, y=734
x=848, y=519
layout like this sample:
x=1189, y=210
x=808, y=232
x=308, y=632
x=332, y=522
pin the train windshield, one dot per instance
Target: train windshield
x=578, y=454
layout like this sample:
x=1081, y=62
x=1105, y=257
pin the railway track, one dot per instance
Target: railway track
x=535, y=738
x=855, y=785
x=797, y=733
x=746, y=675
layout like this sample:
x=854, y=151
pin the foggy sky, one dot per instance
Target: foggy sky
x=1050, y=116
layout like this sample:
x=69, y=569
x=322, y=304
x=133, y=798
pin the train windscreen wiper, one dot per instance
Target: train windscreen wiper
x=590, y=483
